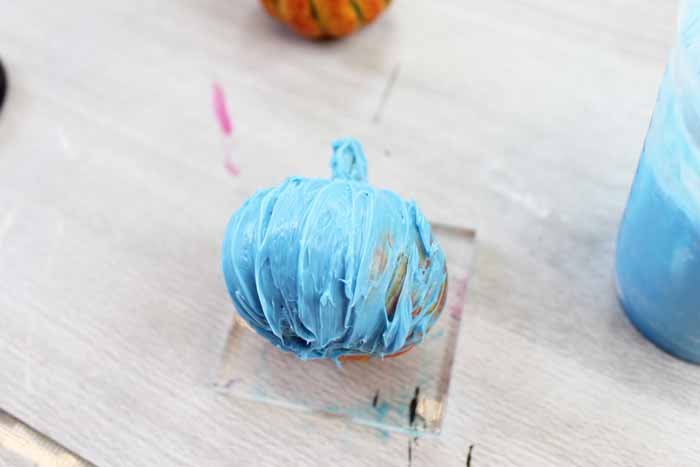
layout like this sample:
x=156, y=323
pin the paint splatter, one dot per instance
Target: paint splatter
x=469, y=456
x=383, y=409
x=3, y=84
x=226, y=125
x=410, y=453
x=460, y=299
x=413, y=407
x=220, y=110
x=376, y=399
x=230, y=166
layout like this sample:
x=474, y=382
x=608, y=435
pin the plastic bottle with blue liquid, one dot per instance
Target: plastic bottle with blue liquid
x=658, y=246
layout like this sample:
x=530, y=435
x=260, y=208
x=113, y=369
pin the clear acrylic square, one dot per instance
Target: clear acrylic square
x=406, y=394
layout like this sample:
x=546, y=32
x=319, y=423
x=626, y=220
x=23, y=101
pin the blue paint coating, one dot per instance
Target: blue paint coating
x=331, y=268
x=348, y=161
x=658, y=249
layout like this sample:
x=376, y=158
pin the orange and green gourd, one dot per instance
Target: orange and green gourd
x=321, y=19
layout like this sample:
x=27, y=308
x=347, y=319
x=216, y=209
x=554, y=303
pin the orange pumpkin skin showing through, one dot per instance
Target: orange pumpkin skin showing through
x=320, y=19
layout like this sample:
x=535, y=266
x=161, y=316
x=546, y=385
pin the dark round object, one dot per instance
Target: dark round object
x=3, y=84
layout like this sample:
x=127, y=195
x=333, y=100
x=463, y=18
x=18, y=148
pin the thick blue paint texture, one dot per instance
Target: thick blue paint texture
x=658, y=249
x=331, y=268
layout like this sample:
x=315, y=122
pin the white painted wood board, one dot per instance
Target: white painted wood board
x=522, y=118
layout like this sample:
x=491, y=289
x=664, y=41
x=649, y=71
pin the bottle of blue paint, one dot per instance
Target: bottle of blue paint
x=658, y=247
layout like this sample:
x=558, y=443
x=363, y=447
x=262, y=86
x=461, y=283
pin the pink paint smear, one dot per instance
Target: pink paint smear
x=230, y=166
x=226, y=125
x=220, y=110
x=460, y=299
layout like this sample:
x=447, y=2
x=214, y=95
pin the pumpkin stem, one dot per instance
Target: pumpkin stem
x=349, y=161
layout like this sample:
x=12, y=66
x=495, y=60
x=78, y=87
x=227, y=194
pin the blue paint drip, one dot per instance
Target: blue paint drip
x=382, y=409
x=329, y=268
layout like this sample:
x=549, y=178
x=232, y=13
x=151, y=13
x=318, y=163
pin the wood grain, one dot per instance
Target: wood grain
x=523, y=118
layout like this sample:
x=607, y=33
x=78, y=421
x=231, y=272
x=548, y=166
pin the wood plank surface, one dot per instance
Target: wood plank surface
x=521, y=118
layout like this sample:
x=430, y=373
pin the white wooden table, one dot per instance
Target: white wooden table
x=523, y=118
